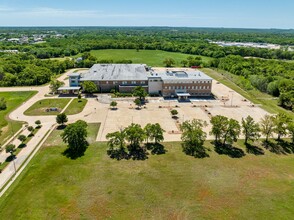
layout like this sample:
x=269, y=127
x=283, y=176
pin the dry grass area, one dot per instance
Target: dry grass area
x=169, y=186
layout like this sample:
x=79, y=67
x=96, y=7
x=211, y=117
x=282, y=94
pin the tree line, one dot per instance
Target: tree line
x=270, y=76
x=27, y=70
x=183, y=40
x=127, y=143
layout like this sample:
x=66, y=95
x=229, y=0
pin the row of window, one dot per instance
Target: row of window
x=187, y=87
x=194, y=82
x=126, y=82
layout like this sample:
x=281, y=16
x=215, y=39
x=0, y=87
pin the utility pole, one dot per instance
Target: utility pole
x=232, y=93
x=13, y=158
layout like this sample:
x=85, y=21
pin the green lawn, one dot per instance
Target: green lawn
x=76, y=107
x=13, y=99
x=267, y=102
x=150, y=57
x=39, y=108
x=170, y=186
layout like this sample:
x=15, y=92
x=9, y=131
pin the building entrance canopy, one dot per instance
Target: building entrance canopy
x=183, y=94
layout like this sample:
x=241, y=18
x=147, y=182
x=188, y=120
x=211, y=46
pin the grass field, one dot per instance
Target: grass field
x=76, y=107
x=13, y=99
x=267, y=102
x=149, y=57
x=170, y=186
x=39, y=108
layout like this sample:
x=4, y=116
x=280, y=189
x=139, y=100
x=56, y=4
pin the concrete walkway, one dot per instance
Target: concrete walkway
x=14, y=141
x=48, y=123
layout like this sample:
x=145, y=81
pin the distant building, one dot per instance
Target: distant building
x=125, y=77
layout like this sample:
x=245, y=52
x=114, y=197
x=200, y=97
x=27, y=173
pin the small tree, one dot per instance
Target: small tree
x=10, y=148
x=3, y=105
x=250, y=129
x=139, y=92
x=31, y=129
x=267, y=126
x=184, y=63
x=54, y=85
x=113, y=104
x=75, y=136
x=137, y=103
x=22, y=138
x=79, y=97
x=89, y=87
x=169, y=62
x=61, y=118
x=38, y=123
x=174, y=113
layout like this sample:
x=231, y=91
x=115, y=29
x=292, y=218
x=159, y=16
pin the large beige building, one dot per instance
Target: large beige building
x=125, y=77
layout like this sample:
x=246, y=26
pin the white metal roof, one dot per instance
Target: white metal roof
x=105, y=72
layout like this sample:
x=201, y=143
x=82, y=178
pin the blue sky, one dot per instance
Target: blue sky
x=188, y=13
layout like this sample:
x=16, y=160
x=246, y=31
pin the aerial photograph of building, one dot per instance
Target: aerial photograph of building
x=147, y=110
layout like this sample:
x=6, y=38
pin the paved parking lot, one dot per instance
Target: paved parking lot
x=113, y=120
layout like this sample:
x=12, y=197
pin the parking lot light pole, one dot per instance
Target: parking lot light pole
x=232, y=92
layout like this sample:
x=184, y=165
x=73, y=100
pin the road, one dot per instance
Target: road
x=48, y=123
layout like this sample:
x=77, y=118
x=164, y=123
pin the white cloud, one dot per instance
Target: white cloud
x=47, y=12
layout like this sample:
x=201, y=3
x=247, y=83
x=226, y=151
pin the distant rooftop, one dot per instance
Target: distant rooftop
x=104, y=72
x=74, y=74
x=180, y=75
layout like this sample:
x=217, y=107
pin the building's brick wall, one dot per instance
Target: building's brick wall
x=195, y=89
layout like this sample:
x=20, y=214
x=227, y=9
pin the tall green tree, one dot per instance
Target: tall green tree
x=117, y=139
x=135, y=134
x=89, y=87
x=117, y=144
x=231, y=132
x=281, y=121
x=250, y=129
x=267, y=126
x=75, y=136
x=219, y=123
x=154, y=132
x=193, y=137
